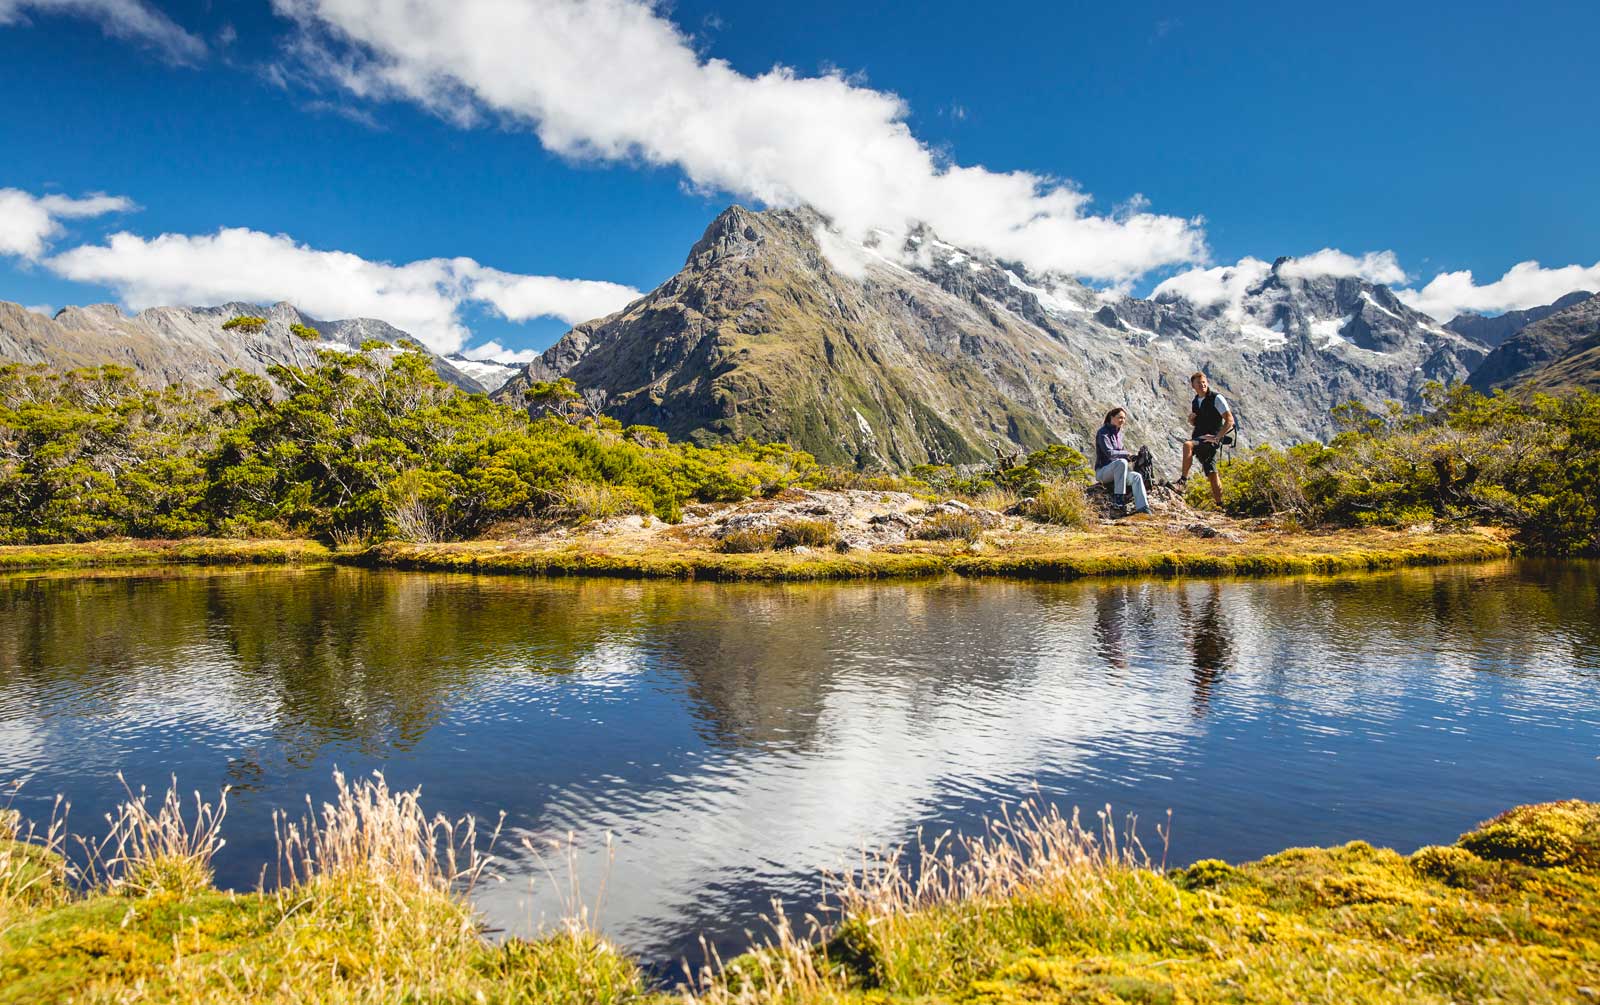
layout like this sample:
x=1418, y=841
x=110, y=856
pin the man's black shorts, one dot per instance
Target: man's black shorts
x=1206, y=454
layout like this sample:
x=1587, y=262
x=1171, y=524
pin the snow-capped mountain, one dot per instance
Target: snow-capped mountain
x=489, y=373
x=890, y=356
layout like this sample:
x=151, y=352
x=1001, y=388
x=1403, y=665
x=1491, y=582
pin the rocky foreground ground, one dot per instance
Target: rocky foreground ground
x=859, y=534
x=865, y=520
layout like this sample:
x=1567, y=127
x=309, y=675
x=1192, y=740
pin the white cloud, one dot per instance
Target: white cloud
x=132, y=19
x=498, y=353
x=46, y=309
x=1374, y=266
x=422, y=297
x=28, y=222
x=612, y=80
x=1526, y=284
x=1227, y=284
x=519, y=298
x=1224, y=284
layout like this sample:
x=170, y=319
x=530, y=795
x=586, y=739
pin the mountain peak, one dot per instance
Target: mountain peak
x=89, y=315
x=735, y=231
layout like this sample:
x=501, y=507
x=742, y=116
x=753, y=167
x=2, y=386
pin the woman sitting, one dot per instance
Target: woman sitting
x=1113, y=463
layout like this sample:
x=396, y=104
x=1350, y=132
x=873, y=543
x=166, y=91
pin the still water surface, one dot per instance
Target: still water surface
x=738, y=739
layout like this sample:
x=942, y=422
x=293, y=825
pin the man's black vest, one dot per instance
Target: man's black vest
x=1208, y=417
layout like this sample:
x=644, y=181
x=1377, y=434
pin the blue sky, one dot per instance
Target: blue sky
x=1456, y=140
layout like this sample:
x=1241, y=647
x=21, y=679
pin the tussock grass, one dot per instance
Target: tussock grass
x=1063, y=503
x=580, y=501
x=160, y=852
x=371, y=906
x=802, y=533
x=748, y=541
x=33, y=869
x=998, y=499
x=950, y=526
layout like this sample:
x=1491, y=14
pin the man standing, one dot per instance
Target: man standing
x=1212, y=420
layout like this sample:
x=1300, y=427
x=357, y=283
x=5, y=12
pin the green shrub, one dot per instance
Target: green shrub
x=1548, y=834
x=1204, y=874
x=245, y=323
x=1448, y=864
x=1529, y=464
x=358, y=446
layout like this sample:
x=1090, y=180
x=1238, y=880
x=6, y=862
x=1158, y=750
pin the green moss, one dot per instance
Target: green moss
x=1549, y=834
x=30, y=874
x=1446, y=863
x=1204, y=874
x=117, y=941
x=575, y=968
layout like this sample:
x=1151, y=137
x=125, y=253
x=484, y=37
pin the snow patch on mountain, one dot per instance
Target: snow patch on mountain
x=488, y=372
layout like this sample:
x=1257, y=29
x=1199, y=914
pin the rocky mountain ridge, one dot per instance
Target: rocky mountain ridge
x=1560, y=350
x=888, y=357
x=1493, y=330
x=188, y=345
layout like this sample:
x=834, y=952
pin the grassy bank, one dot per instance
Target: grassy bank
x=373, y=909
x=1068, y=555
x=189, y=551
x=1120, y=551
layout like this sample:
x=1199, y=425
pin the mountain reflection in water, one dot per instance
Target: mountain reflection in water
x=738, y=739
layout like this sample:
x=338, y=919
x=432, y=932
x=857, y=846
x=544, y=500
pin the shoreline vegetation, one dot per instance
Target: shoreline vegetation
x=189, y=551
x=1063, y=558
x=1060, y=557
x=368, y=458
x=371, y=903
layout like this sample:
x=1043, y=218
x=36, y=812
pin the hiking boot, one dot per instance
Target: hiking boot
x=1119, y=500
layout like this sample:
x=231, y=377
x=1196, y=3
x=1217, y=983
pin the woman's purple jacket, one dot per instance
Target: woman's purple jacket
x=1108, y=446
